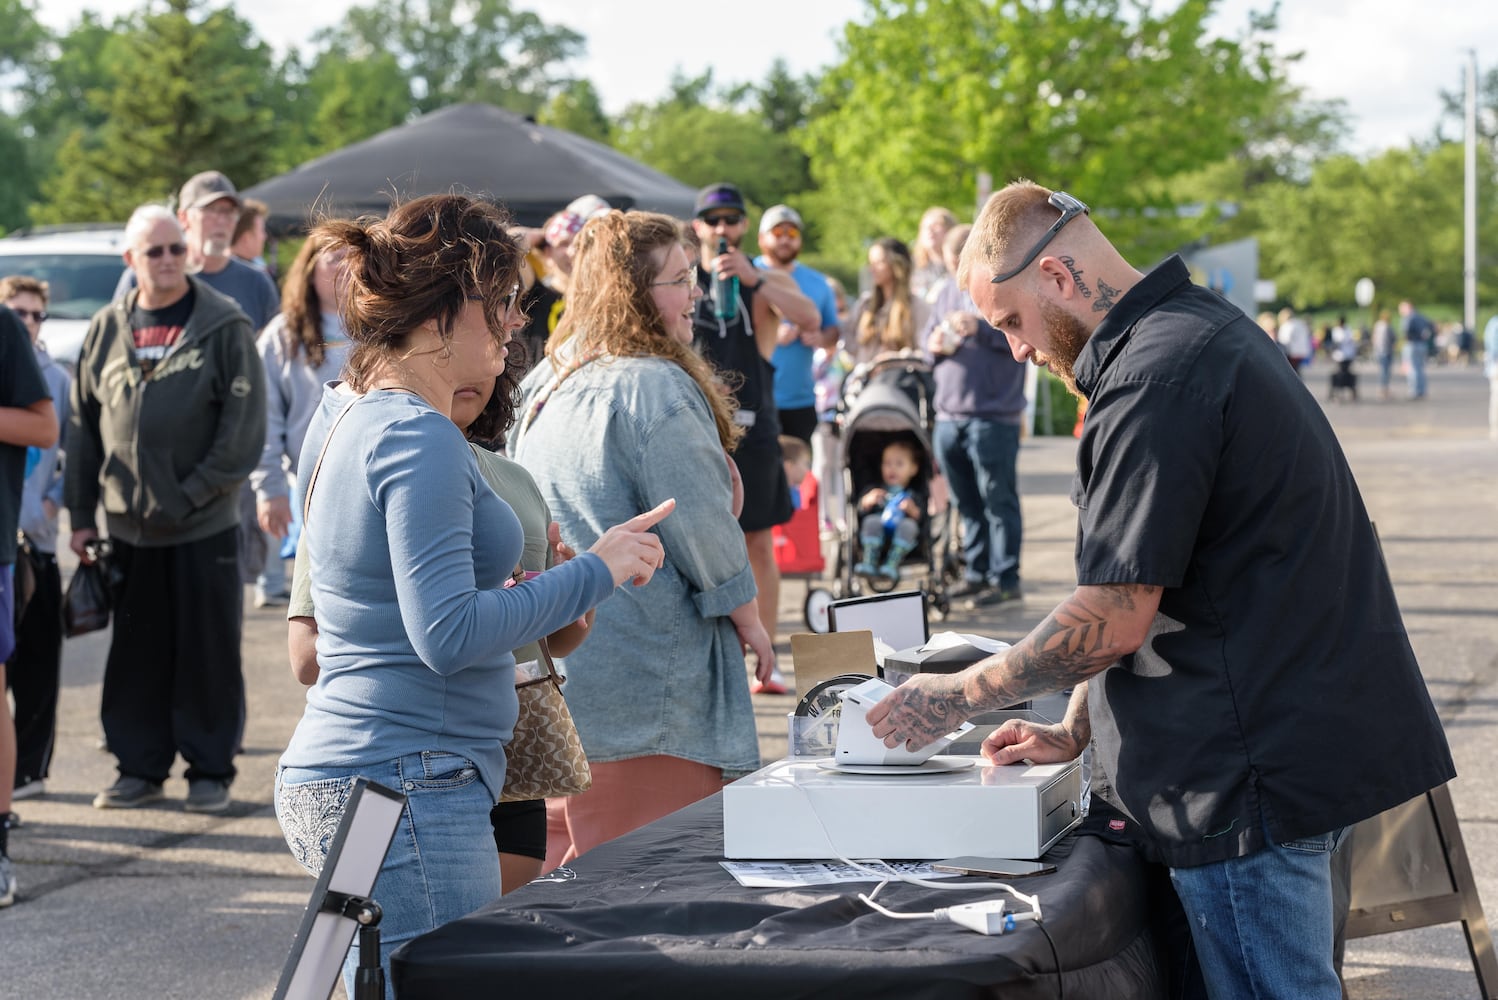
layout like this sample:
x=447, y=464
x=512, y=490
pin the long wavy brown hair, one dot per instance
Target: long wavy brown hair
x=301, y=310
x=610, y=309
x=895, y=329
x=424, y=261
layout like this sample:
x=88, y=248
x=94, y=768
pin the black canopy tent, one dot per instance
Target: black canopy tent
x=474, y=149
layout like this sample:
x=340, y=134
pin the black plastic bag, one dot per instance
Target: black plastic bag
x=86, y=605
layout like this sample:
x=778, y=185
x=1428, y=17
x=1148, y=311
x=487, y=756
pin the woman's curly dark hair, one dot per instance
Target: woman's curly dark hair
x=424, y=261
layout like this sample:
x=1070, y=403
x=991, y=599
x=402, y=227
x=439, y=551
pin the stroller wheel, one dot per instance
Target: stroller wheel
x=815, y=610
x=881, y=584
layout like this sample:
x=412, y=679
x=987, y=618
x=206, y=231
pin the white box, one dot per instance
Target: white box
x=795, y=809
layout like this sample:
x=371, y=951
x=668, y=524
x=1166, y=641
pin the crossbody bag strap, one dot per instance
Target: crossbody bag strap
x=552, y=674
x=323, y=453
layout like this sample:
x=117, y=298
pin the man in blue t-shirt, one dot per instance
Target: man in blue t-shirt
x=795, y=397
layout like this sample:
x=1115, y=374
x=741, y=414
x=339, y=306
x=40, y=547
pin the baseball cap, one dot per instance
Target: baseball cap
x=562, y=225
x=588, y=207
x=205, y=189
x=719, y=196
x=777, y=214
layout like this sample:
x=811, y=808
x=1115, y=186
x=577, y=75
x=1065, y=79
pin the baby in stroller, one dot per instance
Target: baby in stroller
x=890, y=512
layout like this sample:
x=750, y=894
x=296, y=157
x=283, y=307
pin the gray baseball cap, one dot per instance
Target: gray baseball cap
x=205, y=189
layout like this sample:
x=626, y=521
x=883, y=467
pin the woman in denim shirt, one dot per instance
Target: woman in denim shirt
x=623, y=411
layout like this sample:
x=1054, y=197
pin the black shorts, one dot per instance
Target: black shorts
x=767, y=493
x=520, y=828
x=799, y=422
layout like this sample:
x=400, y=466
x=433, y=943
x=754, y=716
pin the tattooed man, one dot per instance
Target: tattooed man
x=1241, y=735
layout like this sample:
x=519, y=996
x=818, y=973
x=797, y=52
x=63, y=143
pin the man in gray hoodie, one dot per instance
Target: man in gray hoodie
x=168, y=420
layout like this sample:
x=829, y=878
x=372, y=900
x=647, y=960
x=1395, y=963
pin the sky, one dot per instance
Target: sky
x=1387, y=59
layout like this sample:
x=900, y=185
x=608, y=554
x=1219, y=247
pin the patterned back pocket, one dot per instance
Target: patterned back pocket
x=309, y=813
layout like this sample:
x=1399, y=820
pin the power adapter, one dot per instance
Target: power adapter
x=988, y=917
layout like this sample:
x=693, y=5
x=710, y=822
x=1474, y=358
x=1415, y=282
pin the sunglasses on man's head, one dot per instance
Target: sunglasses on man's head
x=1069, y=208
x=723, y=219
x=40, y=315
x=175, y=249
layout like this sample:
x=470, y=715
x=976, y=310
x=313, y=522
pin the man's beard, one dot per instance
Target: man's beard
x=215, y=248
x=780, y=257
x=1067, y=336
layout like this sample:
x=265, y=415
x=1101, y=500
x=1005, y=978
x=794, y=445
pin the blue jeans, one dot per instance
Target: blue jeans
x=979, y=458
x=1262, y=925
x=1415, y=355
x=441, y=864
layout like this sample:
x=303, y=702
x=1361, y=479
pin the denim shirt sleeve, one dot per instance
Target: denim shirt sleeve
x=682, y=458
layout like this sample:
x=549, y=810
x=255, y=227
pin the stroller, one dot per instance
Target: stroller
x=886, y=400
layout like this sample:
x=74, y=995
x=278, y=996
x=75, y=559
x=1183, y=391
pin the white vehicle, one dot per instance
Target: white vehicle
x=81, y=268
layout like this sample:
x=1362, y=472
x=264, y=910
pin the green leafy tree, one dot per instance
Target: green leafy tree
x=783, y=100
x=193, y=90
x=336, y=101
x=699, y=145
x=462, y=50
x=1105, y=98
x=1396, y=218
x=577, y=108
x=23, y=42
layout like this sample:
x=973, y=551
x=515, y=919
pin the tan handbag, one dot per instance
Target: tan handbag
x=545, y=758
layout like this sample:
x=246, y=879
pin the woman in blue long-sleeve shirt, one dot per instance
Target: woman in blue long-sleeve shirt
x=409, y=550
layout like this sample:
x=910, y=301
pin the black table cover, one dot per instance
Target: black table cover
x=654, y=915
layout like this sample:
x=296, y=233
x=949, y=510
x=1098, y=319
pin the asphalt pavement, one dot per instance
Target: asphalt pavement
x=164, y=904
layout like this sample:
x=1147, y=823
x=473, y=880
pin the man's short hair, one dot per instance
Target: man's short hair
x=250, y=209
x=144, y=219
x=721, y=195
x=202, y=190
x=20, y=284
x=1010, y=222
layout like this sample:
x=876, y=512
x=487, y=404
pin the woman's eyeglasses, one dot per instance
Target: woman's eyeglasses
x=1070, y=208
x=175, y=249
x=687, y=280
x=510, y=300
x=40, y=315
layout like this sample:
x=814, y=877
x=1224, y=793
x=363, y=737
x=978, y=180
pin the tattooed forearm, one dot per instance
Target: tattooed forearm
x=1107, y=295
x=1078, y=720
x=1076, y=275
x=1080, y=638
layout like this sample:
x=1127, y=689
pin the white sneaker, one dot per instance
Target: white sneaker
x=30, y=790
x=7, y=882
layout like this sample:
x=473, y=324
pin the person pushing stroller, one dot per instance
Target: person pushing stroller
x=891, y=512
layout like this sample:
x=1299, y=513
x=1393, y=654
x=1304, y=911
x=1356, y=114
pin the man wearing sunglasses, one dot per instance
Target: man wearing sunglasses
x=168, y=420
x=208, y=208
x=739, y=336
x=1241, y=736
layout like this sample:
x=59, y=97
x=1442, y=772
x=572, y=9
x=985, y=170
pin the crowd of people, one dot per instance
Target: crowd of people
x=487, y=445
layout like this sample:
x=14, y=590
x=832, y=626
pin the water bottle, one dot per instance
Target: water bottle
x=725, y=289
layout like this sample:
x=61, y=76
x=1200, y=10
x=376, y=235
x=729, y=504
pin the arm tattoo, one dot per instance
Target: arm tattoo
x=1078, y=720
x=1076, y=275
x=1107, y=295
x=1075, y=641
